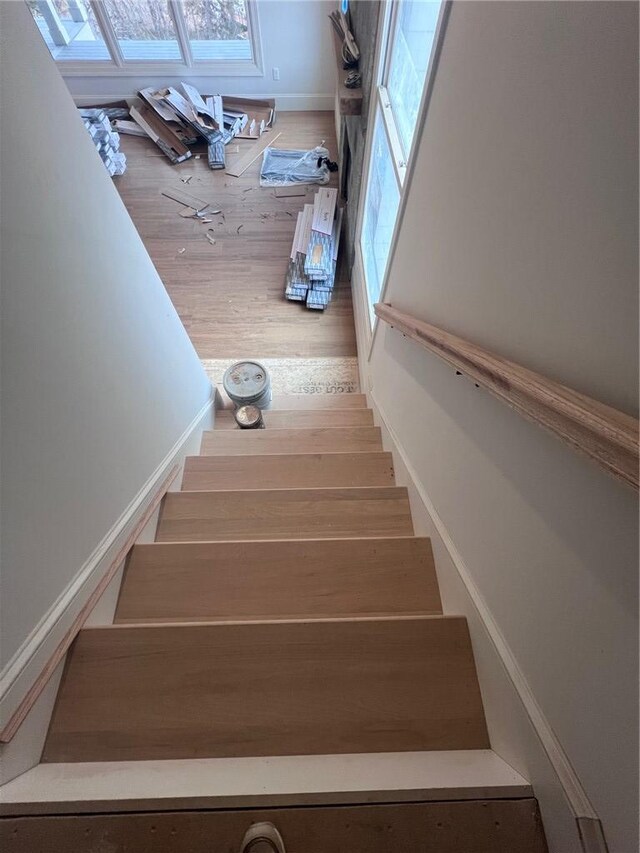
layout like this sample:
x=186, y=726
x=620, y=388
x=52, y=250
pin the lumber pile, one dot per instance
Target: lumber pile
x=106, y=140
x=311, y=273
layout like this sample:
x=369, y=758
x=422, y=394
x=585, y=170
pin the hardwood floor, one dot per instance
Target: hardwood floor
x=229, y=295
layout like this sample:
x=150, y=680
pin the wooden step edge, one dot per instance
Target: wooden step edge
x=395, y=492
x=274, y=781
x=260, y=620
x=256, y=542
x=296, y=620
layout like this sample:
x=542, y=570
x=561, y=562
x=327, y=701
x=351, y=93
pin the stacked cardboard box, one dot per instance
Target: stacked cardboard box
x=311, y=274
x=106, y=140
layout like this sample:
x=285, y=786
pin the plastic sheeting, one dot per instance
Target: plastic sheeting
x=282, y=168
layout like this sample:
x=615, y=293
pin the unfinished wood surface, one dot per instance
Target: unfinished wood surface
x=284, y=514
x=31, y=696
x=250, y=154
x=197, y=581
x=230, y=296
x=279, y=688
x=485, y=826
x=604, y=434
x=300, y=419
x=318, y=401
x=287, y=471
x=321, y=440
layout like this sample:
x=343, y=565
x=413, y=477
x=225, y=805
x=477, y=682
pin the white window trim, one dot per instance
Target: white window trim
x=118, y=66
x=403, y=167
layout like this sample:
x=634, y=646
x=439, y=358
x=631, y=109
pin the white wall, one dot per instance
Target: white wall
x=296, y=38
x=99, y=379
x=520, y=233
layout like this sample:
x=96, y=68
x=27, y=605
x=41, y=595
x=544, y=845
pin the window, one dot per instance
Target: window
x=158, y=35
x=408, y=38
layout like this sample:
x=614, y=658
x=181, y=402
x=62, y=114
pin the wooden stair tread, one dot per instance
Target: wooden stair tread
x=279, y=688
x=301, y=419
x=284, y=514
x=191, y=582
x=287, y=471
x=318, y=401
x=318, y=440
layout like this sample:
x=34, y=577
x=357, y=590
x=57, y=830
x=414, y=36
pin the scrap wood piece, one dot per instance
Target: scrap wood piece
x=129, y=127
x=186, y=199
x=252, y=154
x=166, y=140
x=287, y=192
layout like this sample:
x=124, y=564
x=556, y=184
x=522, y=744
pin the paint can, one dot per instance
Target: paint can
x=249, y=417
x=248, y=384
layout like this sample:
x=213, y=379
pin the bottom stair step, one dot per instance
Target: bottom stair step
x=279, y=688
x=497, y=826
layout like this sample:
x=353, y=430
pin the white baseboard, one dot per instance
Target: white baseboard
x=22, y=670
x=284, y=103
x=519, y=731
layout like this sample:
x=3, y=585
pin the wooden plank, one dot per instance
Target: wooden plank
x=291, y=192
x=485, y=826
x=299, y=418
x=29, y=700
x=268, y=688
x=185, y=198
x=252, y=154
x=323, y=440
x=604, y=434
x=318, y=401
x=204, y=582
x=287, y=471
x=284, y=514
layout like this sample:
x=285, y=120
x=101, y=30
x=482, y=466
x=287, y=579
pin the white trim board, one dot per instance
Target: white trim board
x=264, y=781
x=22, y=670
x=284, y=103
x=518, y=730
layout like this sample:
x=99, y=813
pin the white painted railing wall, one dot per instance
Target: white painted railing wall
x=99, y=379
x=520, y=234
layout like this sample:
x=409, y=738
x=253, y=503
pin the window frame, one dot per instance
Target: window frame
x=118, y=66
x=403, y=164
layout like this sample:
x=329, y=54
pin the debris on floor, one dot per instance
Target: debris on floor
x=311, y=274
x=177, y=118
x=106, y=140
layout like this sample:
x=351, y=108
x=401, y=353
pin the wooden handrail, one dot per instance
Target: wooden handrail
x=604, y=434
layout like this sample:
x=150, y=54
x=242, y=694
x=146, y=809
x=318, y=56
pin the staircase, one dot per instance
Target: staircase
x=286, y=608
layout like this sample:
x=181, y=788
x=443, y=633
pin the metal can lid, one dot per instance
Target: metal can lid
x=248, y=417
x=245, y=379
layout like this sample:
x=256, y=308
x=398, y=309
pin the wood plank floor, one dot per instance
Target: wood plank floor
x=230, y=295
